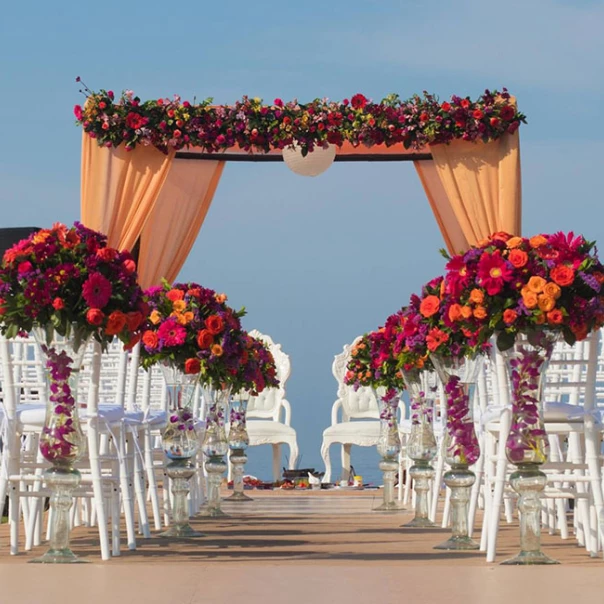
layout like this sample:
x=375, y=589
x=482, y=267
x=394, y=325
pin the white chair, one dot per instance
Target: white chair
x=359, y=425
x=264, y=424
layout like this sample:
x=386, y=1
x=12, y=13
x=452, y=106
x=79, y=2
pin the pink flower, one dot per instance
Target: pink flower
x=171, y=333
x=77, y=111
x=24, y=267
x=493, y=272
x=97, y=290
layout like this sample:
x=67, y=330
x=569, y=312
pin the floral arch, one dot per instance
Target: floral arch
x=150, y=169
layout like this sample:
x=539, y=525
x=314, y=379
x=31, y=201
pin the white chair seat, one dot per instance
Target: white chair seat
x=563, y=412
x=266, y=432
x=361, y=433
x=156, y=417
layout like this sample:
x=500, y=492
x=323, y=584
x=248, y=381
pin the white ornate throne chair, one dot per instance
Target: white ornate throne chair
x=360, y=405
x=264, y=425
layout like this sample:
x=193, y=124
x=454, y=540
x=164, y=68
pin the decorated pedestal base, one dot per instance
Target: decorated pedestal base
x=422, y=474
x=238, y=460
x=62, y=482
x=215, y=467
x=238, y=443
x=180, y=472
x=389, y=447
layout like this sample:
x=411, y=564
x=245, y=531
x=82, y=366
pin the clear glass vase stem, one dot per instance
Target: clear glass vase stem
x=460, y=481
x=421, y=474
x=528, y=481
x=62, y=482
x=238, y=460
x=180, y=472
x=215, y=467
x=388, y=468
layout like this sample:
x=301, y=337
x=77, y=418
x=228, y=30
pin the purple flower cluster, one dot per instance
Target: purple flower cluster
x=57, y=438
x=527, y=442
x=462, y=443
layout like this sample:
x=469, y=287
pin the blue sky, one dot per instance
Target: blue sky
x=315, y=261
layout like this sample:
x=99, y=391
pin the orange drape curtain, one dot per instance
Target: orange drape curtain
x=119, y=189
x=175, y=221
x=482, y=183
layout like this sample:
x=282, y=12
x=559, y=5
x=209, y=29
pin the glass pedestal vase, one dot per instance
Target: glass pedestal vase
x=180, y=443
x=215, y=446
x=238, y=443
x=62, y=441
x=527, y=445
x=421, y=447
x=388, y=447
x=459, y=376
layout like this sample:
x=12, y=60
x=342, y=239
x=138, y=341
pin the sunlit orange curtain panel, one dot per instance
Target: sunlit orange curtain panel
x=119, y=189
x=483, y=185
x=173, y=225
x=454, y=237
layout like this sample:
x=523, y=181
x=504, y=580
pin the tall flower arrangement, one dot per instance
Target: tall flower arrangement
x=522, y=285
x=254, y=126
x=192, y=327
x=67, y=277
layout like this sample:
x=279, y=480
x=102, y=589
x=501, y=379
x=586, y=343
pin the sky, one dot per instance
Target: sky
x=315, y=261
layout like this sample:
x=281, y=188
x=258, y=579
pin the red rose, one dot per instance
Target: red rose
x=192, y=366
x=477, y=114
x=507, y=113
x=107, y=254
x=214, y=324
x=465, y=103
x=95, y=316
x=116, y=323
x=423, y=116
x=102, y=105
x=134, y=319
x=494, y=122
x=2, y=307
x=563, y=275
x=358, y=101
x=446, y=106
x=204, y=339
x=58, y=304
x=129, y=266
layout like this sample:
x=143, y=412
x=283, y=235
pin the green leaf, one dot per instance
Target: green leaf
x=505, y=340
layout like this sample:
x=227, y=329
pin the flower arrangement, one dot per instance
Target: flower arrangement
x=66, y=280
x=253, y=126
x=510, y=285
x=68, y=277
x=257, y=369
x=192, y=327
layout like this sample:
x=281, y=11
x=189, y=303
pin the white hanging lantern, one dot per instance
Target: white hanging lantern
x=315, y=162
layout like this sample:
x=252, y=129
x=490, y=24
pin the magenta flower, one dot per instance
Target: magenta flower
x=170, y=333
x=96, y=291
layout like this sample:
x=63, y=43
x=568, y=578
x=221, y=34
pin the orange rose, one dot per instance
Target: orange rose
x=150, y=339
x=179, y=305
x=214, y=324
x=435, y=338
x=480, y=312
x=217, y=350
x=454, y=312
x=192, y=366
x=204, y=339
x=476, y=296
x=518, y=258
x=529, y=298
x=155, y=317
x=536, y=284
x=546, y=303
x=563, y=275
x=537, y=241
x=220, y=298
x=514, y=242
x=552, y=290
x=509, y=316
x=539, y=318
x=429, y=306
x=180, y=318
x=189, y=316
x=116, y=322
x=466, y=312
x=555, y=316
x=195, y=292
x=175, y=294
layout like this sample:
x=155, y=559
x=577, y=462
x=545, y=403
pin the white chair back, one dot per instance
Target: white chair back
x=359, y=404
x=268, y=403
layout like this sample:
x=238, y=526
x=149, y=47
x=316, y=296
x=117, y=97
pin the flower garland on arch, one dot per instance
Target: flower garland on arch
x=255, y=127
